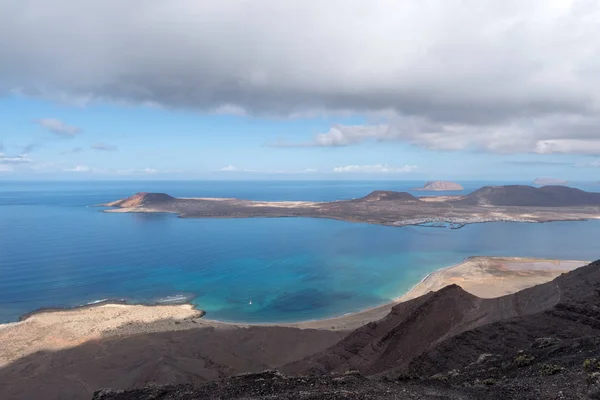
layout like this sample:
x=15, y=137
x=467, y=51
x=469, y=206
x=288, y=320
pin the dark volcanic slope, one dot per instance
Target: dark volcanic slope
x=576, y=314
x=521, y=195
x=547, y=369
x=275, y=386
x=440, y=322
x=178, y=357
x=393, y=341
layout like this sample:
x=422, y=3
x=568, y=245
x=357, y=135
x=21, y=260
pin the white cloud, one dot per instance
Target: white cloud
x=79, y=168
x=377, y=168
x=58, y=127
x=340, y=135
x=20, y=159
x=6, y=168
x=525, y=135
x=229, y=168
x=590, y=146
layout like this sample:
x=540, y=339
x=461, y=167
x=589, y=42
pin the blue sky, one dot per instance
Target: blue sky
x=493, y=93
x=141, y=142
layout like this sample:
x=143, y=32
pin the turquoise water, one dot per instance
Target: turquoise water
x=56, y=250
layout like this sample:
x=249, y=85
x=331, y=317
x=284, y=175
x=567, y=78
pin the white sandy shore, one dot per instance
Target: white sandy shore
x=482, y=276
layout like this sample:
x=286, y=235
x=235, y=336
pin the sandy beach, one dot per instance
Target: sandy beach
x=485, y=277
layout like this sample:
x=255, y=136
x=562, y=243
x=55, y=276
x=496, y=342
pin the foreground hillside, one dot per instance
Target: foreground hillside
x=544, y=369
x=449, y=328
x=540, y=343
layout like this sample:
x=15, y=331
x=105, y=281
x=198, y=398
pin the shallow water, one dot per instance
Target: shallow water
x=56, y=250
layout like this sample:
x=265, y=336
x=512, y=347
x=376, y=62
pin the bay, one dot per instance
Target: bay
x=58, y=250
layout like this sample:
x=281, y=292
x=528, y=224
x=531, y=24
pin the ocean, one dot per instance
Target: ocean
x=58, y=250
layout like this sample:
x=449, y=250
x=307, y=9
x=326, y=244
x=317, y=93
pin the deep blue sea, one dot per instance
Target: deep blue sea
x=58, y=250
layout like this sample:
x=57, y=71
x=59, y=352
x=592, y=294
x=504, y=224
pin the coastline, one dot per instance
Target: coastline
x=423, y=286
x=48, y=310
x=478, y=275
x=55, y=328
x=463, y=221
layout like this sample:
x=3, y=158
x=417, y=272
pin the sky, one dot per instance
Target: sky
x=271, y=89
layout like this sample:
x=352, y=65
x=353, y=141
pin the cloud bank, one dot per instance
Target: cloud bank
x=564, y=134
x=501, y=76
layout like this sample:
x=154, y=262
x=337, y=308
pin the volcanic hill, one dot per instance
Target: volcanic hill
x=529, y=196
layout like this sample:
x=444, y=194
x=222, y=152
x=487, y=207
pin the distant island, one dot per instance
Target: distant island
x=549, y=181
x=514, y=203
x=441, y=186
